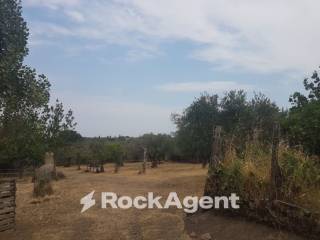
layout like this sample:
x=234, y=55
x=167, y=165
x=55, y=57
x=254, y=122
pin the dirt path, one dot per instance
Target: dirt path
x=228, y=228
x=58, y=217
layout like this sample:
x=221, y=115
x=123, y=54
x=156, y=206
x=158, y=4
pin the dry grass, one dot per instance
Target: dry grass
x=250, y=175
x=58, y=217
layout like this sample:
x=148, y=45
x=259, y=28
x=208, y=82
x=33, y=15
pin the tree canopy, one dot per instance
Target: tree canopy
x=302, y=124
x=240, y=118
x=29, y=126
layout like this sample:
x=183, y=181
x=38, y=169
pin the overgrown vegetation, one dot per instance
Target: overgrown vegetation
x=286, y=197
x=241, y=119
x=249, y=176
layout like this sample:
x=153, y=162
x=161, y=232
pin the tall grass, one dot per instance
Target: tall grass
x=249, y=175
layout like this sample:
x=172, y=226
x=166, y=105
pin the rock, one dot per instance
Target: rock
x=193, y=235
x=206, y=236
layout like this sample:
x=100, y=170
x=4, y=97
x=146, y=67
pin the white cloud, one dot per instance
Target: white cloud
x=75, y=15
x=265, y=35
x=213, y=86
x=53, y=4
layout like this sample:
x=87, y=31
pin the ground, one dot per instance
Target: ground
x=58, y=216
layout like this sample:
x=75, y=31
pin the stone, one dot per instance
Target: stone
x=206, y=236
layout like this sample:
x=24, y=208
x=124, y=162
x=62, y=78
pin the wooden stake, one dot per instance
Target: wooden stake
x=276, y=176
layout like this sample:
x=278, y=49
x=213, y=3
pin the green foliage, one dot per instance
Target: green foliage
x=302, y=124
x=57, y=125
x=240, y=119
x=115, y=153
x=133, y=149
x=98, y=151
x=159, y=146
x=28, y=126
x=21, y=118
x=194, y=135
x=13, y=42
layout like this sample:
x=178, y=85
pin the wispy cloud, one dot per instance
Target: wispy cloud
x=267, y=35
x=53, y=4
x=75, y=15
x=196, y=87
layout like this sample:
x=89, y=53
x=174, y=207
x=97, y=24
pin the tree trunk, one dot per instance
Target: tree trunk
x=144, y=163
x=154, y=163
x=204, y=163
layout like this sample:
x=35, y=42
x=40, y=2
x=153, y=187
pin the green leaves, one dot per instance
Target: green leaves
x=239, y=117
x=28, y=125
x=13, y=41
x=303, y=121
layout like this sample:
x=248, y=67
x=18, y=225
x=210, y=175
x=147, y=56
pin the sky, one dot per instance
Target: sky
x=123, y=66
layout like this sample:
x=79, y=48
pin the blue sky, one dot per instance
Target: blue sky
x=124, y=66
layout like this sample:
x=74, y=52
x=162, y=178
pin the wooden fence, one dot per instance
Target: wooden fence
x=7, y=204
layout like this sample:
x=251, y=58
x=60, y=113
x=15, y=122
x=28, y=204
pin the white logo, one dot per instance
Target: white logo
x=190, y=204
x=87, y=202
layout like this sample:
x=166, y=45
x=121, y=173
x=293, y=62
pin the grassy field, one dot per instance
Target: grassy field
x=58, y=216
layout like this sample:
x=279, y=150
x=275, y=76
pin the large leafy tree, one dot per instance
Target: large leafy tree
x=159, y=147
x=303, y=121
x=23, y=93
x=21, y=119
x=13, y=43
x=27, y=124
x=195, y=125
x=264, y=113
x=240, y=119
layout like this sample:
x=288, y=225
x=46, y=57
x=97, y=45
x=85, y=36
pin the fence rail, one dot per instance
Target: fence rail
x=7, y=204
x=15, y=173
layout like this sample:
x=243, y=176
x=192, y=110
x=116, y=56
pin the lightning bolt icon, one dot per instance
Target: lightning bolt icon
x=87, y=202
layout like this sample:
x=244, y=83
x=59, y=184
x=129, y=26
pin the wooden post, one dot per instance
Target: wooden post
x=144, y=163
x=216, y=157
x=276, y=176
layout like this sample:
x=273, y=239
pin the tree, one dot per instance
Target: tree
x=58, y=125
x=240, y=120
x=13, y=43
x=22, y=124
x=99, y=154
x=235, y=118
x=264, y=114
x=194, y=135
x=115, y=153
x=302, y=124
x=27, y=124
x=158, y=147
